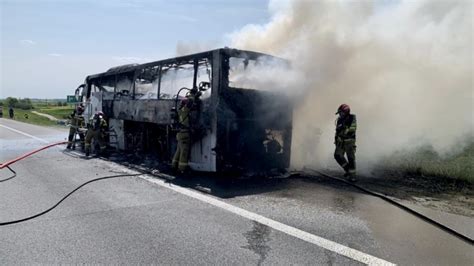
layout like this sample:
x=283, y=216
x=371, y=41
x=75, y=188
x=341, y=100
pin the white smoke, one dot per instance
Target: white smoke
x=185, y=48
x=404, y=67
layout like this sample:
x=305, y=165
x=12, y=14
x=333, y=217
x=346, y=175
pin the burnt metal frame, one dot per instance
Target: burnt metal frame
x=219, y=60
x=175, y=62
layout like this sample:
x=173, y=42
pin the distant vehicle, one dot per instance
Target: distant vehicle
x=1, y=111
x=240, y=129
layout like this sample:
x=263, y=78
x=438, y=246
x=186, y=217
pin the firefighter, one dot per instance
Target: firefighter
x=11, y=113
x=345, y=139
x=77, y=122
x=97, y=131
x=181, y=156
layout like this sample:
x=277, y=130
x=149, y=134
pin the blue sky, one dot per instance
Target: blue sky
x=48, y=47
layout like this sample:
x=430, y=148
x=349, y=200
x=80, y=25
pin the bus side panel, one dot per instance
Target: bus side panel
x=92, y=105
x=202, y=158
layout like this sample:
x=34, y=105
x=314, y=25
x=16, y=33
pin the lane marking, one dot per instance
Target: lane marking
x=289, y=230
x=24, y=134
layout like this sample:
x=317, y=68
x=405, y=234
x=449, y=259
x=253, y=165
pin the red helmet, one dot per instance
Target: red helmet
x=344, y=108
x=184, y=101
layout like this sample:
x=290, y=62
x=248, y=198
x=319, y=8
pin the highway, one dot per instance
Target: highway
x=148, y=220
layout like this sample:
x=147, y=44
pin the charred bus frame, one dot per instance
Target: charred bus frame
x=244, y=129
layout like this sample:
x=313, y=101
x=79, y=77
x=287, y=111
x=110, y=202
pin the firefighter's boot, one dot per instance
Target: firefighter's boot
x=345, y=166
x=352, y=177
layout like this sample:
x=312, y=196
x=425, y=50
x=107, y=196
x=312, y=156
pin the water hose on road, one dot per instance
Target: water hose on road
x=399, y=205
x=6, y=164
x=8, y=178
x=65, y=197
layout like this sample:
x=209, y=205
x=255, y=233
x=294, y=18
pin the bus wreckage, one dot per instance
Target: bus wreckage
x=243, y=124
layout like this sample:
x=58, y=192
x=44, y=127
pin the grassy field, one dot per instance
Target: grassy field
x=20, y=115
x=59, y=112
x=62, y=112
x=427, y=162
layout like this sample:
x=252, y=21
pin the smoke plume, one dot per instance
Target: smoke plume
x=404, y=67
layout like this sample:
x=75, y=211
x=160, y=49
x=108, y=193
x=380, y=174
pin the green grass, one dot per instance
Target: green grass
x=62, y=112
x=427, y=162
x=32, y=118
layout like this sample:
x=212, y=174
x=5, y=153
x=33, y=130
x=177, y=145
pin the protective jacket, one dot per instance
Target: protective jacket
x=183, y=116
x=183, y=137
x=99, y=123
x=98, y=132
x=77, y=120
x=345, y=144
x=346, y=128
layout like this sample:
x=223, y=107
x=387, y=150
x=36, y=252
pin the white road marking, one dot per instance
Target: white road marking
x=289, y=230
x=24, y=134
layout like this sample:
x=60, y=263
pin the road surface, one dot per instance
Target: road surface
x=149, y=220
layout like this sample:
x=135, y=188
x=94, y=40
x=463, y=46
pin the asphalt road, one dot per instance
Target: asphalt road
x=149, y=220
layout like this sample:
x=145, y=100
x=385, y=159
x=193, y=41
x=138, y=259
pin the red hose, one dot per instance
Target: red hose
x=3, y=165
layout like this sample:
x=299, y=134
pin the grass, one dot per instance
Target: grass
x=32, y=118
x=62, y=112
x=427, y=162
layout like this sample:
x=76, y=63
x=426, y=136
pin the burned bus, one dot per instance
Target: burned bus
x=241, y=128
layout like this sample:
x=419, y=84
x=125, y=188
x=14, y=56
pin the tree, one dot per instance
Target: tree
x=24, y=104
x=11, y=102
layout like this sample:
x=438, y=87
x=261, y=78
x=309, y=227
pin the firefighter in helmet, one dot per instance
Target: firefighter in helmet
x=181, y=156
x=97, y=131
x=345, y=139
x=77, y=122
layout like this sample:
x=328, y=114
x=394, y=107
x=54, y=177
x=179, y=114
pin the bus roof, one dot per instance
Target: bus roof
x=181, y=60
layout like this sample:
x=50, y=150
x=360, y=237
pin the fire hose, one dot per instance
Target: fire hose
x=385, y=198
x=8, y=163
x=399, y=205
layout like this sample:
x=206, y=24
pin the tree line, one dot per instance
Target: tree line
x=25, y=103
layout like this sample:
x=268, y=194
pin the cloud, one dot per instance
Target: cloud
x=55, y=54
x=185, y=48
x=27, y=42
